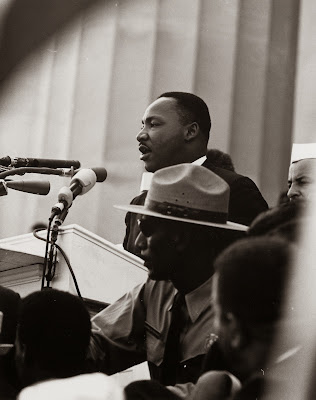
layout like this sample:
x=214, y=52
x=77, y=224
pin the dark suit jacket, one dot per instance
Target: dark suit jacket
x=245, y=203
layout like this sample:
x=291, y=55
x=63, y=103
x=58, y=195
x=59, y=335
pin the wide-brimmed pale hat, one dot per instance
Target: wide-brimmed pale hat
x=187, y=193
x=302, y=151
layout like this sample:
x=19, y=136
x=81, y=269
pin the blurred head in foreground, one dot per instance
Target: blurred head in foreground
x=9, y=308
x=249, y=288
x=53, y=336
x=284, y=221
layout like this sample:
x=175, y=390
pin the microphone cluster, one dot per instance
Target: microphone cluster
x=81, y=183
x=82, y=179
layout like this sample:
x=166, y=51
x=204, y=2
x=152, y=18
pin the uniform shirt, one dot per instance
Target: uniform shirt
x=135, y=328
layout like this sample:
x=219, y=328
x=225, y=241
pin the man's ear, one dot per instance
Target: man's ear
x=192, y=131
x=234, y=328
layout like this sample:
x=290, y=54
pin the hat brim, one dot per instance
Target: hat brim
x=144, y=211
x=5, y=348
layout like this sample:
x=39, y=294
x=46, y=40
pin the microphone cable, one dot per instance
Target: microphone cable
x=61, y=251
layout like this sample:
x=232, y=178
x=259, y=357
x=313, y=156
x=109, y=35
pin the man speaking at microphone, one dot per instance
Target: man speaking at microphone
x=175, y=129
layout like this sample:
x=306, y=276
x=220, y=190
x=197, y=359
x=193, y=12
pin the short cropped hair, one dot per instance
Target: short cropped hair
x=285, y=220
x=252, y=279
x=220, y=159
x=192, y=108
x=54, y=327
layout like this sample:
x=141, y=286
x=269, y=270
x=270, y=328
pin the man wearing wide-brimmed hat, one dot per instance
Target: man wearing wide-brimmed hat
x=9, y=308
x=168, y=320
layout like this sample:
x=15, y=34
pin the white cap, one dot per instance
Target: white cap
x=94, y=386
x=301, y=151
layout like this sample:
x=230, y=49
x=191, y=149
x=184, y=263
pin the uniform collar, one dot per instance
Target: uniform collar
x=199, y=161
x=199, y=299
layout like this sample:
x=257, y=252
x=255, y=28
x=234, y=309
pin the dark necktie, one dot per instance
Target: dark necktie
x=172, y=355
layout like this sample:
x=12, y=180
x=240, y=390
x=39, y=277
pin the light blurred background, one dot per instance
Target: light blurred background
x=81, y=95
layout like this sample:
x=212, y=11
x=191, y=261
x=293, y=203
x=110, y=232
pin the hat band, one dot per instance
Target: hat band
x=176, y=210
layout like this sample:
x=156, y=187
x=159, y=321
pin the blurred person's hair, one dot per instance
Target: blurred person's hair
x=54, y=333
x=250, y=287
x=284, y=221
x=220, y=159
x=9, y=307
x=252, y=279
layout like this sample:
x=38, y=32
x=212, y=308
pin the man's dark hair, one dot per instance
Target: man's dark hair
x=54, y=327
x=220, y=159
x=252, y=277
x=192, y=108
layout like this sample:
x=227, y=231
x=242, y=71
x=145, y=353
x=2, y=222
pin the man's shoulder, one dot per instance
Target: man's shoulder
x=139, y=200
x=234, y=180
x=246, y=200
x=228, y=176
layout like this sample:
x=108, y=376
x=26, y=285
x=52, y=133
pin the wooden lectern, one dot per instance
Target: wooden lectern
x=104, y=271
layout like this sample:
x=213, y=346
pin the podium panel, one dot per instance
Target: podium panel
x=104, y=271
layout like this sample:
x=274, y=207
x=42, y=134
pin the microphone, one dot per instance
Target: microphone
x=38, y=162
x=31, y=186
x=81, y=183
x=100, y=173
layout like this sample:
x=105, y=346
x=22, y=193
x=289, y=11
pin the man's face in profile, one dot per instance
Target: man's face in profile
x=301, y=180
x=161, y=138
x=158, y=249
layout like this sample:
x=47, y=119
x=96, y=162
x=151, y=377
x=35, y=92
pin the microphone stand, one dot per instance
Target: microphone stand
x=51, y=250
x=50, y=259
